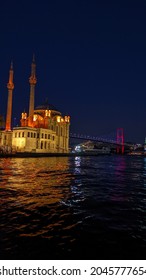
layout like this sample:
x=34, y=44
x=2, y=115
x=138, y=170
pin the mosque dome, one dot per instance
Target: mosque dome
x=47, y=106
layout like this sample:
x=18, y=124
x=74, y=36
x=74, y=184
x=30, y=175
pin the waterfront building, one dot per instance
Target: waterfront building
x=42, y=130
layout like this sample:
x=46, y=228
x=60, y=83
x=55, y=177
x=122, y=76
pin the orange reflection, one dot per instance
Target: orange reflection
x=36, y=181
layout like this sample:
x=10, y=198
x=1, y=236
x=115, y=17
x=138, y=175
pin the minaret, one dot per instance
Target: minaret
x=32, y=81
x=10, y=87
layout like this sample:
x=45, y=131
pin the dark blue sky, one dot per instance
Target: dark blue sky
x=91, y=61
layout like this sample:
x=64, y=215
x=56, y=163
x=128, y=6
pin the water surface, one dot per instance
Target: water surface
x=73, y=208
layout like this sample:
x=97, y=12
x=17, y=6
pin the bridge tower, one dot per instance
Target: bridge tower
x=120, y=140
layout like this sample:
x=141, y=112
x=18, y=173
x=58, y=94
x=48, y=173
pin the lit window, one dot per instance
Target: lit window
x=67, y=119
x=24, y=116
x=48, y=113
x=35, y=117
x=58, y=118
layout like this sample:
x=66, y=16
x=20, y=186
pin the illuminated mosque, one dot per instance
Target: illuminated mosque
x=42, y=130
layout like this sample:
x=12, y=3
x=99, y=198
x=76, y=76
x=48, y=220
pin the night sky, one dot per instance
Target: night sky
x=90, y=59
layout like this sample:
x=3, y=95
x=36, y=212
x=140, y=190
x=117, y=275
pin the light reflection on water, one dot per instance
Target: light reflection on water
x=34, y=179
x=73, y=207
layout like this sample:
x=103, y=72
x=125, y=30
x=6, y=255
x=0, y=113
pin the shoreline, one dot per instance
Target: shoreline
x=84, y=154
x=27, y=155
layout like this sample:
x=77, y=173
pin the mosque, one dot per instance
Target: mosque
x=42, y=130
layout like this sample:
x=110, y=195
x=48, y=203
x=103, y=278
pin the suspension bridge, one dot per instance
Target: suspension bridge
x=115, y=138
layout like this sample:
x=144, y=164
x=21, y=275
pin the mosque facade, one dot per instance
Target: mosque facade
x=42, y=130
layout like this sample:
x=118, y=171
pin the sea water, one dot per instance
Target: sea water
x=73, y=207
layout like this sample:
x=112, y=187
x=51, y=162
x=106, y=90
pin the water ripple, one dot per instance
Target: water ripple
x=91, y=207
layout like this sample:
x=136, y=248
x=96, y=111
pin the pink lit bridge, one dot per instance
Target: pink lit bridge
x=113, y=138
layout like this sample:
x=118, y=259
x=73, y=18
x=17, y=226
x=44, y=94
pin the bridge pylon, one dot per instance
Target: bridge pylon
x=120, y=140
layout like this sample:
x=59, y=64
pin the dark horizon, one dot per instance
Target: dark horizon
x=90, y=62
